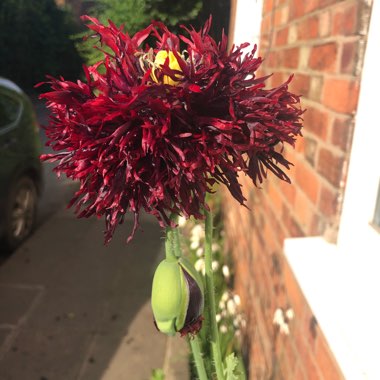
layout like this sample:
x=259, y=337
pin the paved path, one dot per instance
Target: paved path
x=73, y=309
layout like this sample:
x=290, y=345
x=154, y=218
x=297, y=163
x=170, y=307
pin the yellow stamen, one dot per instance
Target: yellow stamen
x=173, y=64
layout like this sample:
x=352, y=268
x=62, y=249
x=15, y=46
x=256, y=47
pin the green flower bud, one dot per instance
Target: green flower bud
x=177, y=297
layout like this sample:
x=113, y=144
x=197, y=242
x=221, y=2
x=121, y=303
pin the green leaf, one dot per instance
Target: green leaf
x=231, y=368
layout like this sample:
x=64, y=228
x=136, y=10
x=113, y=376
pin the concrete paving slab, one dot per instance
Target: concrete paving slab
x=176, y=365
x=5, y=333
x=77, y=310
x=21, y=298
x=131, y=359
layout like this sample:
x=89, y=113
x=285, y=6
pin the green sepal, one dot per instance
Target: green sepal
x=167, y=295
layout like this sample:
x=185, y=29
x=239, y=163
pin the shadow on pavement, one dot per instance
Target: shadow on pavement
x=73, y=309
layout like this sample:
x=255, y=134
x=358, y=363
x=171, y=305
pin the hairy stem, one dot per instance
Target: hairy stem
x=172, y=245
x=197, y=355
x=170, y=252
x=210, y=290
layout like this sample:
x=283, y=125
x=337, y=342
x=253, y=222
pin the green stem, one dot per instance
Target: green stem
x=197, y=355
x=172, y=246
x=215, y=342
x=169, y=245
x=173, y=252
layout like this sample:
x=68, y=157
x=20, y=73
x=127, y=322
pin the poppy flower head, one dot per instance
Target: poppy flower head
x=153, y=128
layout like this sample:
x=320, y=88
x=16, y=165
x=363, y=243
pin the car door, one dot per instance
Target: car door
x=10, y=114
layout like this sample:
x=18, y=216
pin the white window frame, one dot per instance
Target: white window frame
x=247, y=23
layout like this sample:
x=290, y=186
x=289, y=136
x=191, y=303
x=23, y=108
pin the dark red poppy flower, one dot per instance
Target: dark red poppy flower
x=154, y=128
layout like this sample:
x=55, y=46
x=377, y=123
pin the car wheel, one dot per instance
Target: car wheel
x=21, y=212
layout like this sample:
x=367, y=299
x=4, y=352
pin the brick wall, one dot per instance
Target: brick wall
x=322, y=42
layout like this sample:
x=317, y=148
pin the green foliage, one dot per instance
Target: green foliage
x=233, y=369
x=35, y=41
x=231, y=363
x=175, y=12
x=131, y=13
x=136, y=15
x=157, y=374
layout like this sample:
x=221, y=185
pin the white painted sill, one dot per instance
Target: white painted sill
x=343, y=291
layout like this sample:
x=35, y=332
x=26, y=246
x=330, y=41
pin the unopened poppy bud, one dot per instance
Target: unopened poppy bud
x=160, y=60
x=177, y=297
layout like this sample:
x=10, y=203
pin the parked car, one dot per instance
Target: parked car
x=20, y=167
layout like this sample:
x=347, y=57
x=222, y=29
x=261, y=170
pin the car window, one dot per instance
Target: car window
x=9, y=110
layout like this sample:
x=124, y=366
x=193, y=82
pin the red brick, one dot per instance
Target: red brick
x=345, y=21
x=290, y=155
x=328, y=201
x=295, y=295
x=277, y=79
x=341, y=95
x=316, y=85
x=257, y=358
x=275, y=197
x=274, y=220
x=291, y=354
x=326, y=361
x=330, y=166
x=303, y=210
x=310, y=149
x=324, y=23
x=299, y=373
x=277, y=261
x=270, y=238
x=308, y=29
x=300, y=145
x=282, y=366
x=266, y=342
x=312, y=370
x=282, y=36
x=342, y=132
x=289, y=191
x=308, y=359
x=300, y=84
x=324, y=57
x=267, y=6
x=316, y=121
x=266, y=23
x=290, y=58
x=278, y=17
x=349, y=58
x=299, y=8
x=271, y=60
x=311, y=5
x=318, y=226
x=325, y=3
x=308, y=180
x=292, y=226
x=311, y=329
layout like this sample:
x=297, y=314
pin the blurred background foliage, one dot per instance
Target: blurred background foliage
x=40, y=37
x=135, y=15
x=35, y=41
